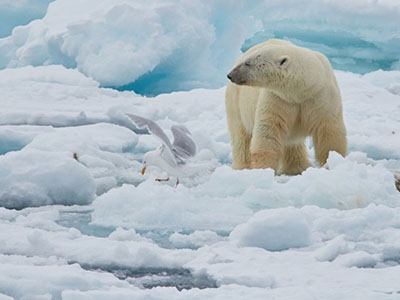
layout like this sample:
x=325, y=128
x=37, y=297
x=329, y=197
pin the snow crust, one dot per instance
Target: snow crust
x=79, y=221
x=163, y=46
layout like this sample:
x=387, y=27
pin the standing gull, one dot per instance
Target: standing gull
x=171, y=158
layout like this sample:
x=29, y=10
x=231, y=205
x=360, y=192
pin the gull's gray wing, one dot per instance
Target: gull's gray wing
x=183, y=146
x=152, y=127
x=167, y=155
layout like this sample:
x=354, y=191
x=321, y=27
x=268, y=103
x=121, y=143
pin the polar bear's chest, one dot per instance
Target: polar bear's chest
x=248, y=113
x=247, y=108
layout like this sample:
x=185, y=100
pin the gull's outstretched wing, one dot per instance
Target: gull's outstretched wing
x=152, y=127
x=183, y=146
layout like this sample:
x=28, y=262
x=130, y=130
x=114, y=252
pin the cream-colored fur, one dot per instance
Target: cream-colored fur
x=279, y=95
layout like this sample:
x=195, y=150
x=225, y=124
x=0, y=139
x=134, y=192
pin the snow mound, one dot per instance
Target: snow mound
x=63, y=165
x=105, y=42
x=233, y=195
x=369, y=184
x=389, y=80
x=50, y=74
x=142, y=208
x=35, y=178
x=274, y=230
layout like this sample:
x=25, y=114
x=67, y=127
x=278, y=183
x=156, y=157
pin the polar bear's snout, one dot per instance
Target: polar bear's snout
x=239, y=74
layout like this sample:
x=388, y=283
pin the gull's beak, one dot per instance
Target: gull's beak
x=143, y=170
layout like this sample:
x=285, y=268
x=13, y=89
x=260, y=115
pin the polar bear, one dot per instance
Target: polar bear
x=278, y=95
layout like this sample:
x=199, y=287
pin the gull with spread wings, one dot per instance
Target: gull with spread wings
x=170, y=157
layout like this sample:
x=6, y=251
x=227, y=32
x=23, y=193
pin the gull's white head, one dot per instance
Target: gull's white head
x=151, y=158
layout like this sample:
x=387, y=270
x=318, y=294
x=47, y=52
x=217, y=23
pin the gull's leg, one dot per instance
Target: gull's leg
x=161, y=179
x=177, y=182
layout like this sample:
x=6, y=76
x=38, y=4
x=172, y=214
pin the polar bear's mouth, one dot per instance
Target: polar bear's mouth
x=242, y=82
x=236, y=79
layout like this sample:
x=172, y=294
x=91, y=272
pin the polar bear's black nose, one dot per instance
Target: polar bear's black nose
x=236, y=75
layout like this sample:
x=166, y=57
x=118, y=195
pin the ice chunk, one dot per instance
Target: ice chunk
x=195, y=239
x=121, y=234
x=334, y=160
x=332, y=249
x=35, y=178
x=99, y=147
x=339, y=29
x=359, y=259
x=142, y=207
x=274, y=230
x=120, y=42
x=242, y=192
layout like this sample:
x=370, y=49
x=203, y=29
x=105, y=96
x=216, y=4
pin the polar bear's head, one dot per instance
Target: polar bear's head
x=263, y=67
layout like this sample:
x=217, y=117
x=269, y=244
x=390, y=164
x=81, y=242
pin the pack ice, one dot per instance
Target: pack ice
x=85, y=224
x=79, y=221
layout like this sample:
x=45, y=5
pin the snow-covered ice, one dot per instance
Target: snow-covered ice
x=274, y=230
x=104, y=231
x=79, y=221
x=156, y=46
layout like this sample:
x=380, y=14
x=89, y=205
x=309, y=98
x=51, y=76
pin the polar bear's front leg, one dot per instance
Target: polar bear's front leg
x=295, y=159
x=330, y=135
x=269, y=133
x=240, y=142
x=240, y=138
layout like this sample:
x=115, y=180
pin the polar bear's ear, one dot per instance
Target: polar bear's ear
x=283, y=61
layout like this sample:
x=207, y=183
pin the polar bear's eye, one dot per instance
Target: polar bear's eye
x=283, y=61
